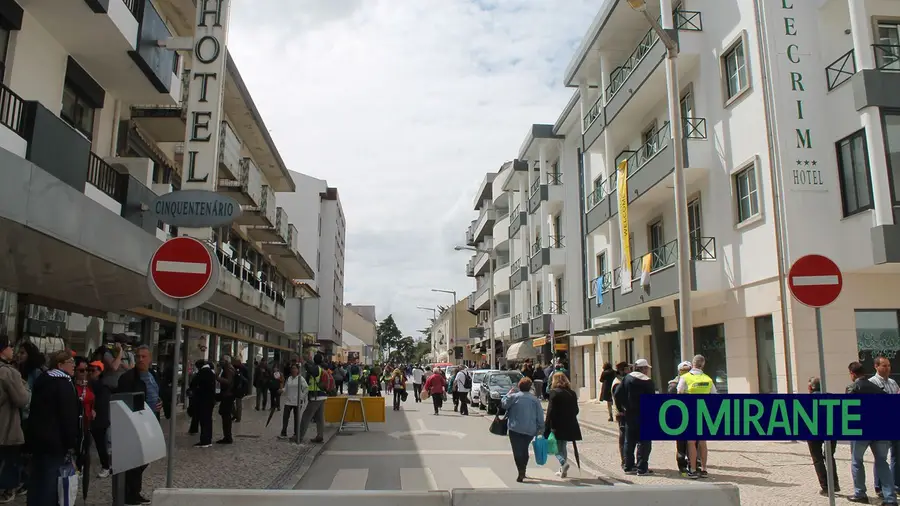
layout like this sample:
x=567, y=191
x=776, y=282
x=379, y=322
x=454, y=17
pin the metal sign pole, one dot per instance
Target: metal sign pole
x=170, y=453
x=828, y=456
x=297, y=414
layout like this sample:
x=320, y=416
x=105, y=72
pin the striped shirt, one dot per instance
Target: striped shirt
x=888, y=385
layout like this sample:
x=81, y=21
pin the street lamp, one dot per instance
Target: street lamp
x=433, y=322
x=490, y=254
x=453, y=332
x=681, y=212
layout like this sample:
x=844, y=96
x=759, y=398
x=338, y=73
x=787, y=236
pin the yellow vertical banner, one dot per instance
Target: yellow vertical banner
x=622, y=180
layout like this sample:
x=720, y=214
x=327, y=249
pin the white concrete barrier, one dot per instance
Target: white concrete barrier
x=216, y=497
x=632, y=495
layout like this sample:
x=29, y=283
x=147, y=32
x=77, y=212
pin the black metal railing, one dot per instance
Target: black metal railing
x=537, y=310
x=841, y=70
x=690, y=21
x=516, y=266
x=606, y=282
x=12, y=111
x=554, y=178
x=621, y=74
x=702, y=248
x=556, y=241
x=536, y=246
x=557, y=307
x=516, y=320
x=107, y=179
x=593, y=113
x=887, y=56
x=535, y=186
x=694, y=128
x=136, y=7
x=600, y=191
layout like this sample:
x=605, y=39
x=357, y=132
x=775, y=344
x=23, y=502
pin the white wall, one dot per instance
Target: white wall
x=303, y=207
x=36, y=65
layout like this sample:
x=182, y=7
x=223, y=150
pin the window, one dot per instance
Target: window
x=656, y=240
x=765, y=354
x=887, y=47
x=695, y=228
x=746, y=193
x=878, y=335
x=77, y=112
x=650, y=143
x=4, y=46
x=735, y=67
x=602, y=264
x=853, y=168
x=892, y=145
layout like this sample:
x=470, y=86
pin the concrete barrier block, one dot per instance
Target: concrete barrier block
x=638, y=495
x=215, y=497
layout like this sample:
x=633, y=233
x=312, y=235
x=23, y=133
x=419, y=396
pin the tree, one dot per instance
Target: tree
x=404, y=352
x=388, y=335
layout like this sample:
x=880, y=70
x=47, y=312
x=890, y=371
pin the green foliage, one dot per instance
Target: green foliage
x=388, y=336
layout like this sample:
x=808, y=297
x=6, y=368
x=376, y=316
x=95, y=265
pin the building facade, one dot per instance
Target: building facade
x=90, y=134
x=359, y=334
x=450, y=334
x=322, y=221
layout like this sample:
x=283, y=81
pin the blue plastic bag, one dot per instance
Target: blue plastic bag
x=540, y=450
x=552, y=445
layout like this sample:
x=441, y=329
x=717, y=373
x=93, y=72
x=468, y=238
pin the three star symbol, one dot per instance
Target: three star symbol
x=807, y=163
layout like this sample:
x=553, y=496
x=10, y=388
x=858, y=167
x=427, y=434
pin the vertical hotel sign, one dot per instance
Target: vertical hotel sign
x=800, y=92
x=204, y=104
x=622, y=192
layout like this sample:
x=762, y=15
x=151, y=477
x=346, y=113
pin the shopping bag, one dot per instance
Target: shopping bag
x=404, y=396
x=552, y=446
x=425, y=394
x=67, y=484
x=500, y=426
x=540, y=450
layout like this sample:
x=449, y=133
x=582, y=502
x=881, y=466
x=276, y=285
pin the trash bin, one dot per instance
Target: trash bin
x=539, y=388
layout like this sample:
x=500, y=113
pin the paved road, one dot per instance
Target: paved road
x=416, y=450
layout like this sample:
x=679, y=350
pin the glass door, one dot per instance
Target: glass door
x=657, y=241
x=887, y=46
x=695, y=229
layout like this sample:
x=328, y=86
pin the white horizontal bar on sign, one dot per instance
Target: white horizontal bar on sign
x=814, y=280
x=181, y=267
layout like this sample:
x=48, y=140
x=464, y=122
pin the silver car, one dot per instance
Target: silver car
x=475, y=391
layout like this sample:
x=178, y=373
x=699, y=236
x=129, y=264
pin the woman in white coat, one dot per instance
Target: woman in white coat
x=294, y=390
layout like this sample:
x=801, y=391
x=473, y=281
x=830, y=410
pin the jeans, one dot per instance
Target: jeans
x=42, y=481
x=238, y=409
x=882, y=468
x=438, y=400
x=262, y=396
x=895, y=447
x=817, y=452
x=398, y=394
x=417, y=391
x=315, y=409
x=339, y=386
x=463, y=399
x=99, y=434
x=226, y=409
x=520, y=443
x=562, y=454
x=286, y=417
x=622, y=451
x=634, y=442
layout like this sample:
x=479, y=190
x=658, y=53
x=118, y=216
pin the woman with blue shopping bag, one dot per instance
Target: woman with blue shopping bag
x=562, y=421
x=525, y=421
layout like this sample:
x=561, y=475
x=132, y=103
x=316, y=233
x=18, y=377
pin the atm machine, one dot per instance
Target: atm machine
x=136, y=438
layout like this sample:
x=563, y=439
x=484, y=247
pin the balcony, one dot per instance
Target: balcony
x=470, y=267
x=165, y=123
x=650, y=165
x=554, y=319
x=239, y=281
x=115, y=42
x=264, y=215
x=229, y=153
x=551, y=191
x=663, y=278
x=887, y=57
x=484, y=225
x=470, y=234
x=482, y=295
x=500, y=232
x=518, y=328
x=518, y=274
x=470, y=303
x=548, y=252
x=517, y=218
x=277, y=232
x=501, y=279
x=247, y=188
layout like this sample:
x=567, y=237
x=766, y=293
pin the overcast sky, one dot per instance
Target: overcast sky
x=404, y=106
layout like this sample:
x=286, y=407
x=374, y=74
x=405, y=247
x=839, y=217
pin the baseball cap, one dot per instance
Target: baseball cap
x=641, y=362
x=685, y=365
x=97, y=364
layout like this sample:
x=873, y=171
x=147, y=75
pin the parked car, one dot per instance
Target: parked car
x=475, y=392
x=495, y=385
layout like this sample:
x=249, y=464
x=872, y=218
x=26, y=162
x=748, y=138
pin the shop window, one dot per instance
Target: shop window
x=629, y=350
x=765, y=354
x=710, y=342
x=878, y=335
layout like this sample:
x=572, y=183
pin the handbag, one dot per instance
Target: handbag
x=404, y=395
x=500, y=426
x=540, y=450
x=67, y=484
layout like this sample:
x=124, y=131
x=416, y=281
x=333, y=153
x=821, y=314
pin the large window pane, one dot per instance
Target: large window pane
x=878, y=335
x=765, y=354
x=892, y=141
x=710, y=342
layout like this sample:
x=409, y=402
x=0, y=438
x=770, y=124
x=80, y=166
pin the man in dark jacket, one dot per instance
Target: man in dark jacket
x=241, y=387
x=226, y=398
x=203, y=401
x=635, y=385
x=861, y=385
x=140, y=379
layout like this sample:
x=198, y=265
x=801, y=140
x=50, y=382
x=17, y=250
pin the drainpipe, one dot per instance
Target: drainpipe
x=774, y=163
x=581, y=226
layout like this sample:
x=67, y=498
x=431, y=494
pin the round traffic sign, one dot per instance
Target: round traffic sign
x=815, y=280
x=181, y=267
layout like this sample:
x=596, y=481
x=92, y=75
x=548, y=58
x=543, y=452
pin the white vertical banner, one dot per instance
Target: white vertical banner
x=206, y=87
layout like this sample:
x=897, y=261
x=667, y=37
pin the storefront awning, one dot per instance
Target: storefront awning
x=609, y=326
x=520, y=351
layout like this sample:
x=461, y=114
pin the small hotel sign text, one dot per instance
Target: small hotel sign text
x=196, y=209
x=206, y=87
x=802, y=153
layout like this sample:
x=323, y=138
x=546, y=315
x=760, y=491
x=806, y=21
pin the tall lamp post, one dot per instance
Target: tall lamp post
x=454, y=330
x=676, y=125
x=433, y=323
x=490, y=254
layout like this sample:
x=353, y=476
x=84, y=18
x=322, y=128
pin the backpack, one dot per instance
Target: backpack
x=468, y=382
x=326, y=382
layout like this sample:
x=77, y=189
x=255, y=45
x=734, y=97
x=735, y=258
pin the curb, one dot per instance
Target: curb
x=290, y=477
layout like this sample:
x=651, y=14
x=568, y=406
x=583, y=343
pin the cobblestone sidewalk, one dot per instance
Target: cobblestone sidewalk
x=257, y=459
x=768, y=473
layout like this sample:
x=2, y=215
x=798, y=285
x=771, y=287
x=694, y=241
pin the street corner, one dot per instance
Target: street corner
x=304, y=457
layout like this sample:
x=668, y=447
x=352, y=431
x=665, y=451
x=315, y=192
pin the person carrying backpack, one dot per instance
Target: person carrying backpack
x=463, y=384
x=340, y=374
x=320, y=382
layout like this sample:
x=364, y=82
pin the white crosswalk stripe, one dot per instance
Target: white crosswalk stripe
x=350, y=479
x=482, y=477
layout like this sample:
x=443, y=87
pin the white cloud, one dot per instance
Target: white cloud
x=404, y=105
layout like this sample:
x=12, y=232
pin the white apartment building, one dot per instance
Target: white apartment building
x=359, y=335
x=529, y=218
x=792, y=144
x=322, y=224
x=450, y=334
x=93, y=122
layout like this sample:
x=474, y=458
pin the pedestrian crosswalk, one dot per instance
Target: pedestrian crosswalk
x=426, y=478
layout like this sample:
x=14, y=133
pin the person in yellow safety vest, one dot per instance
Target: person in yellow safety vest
x=697, y=382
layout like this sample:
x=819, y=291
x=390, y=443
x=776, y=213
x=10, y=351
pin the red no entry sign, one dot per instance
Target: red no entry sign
x=181, y=267
x=815, y=280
